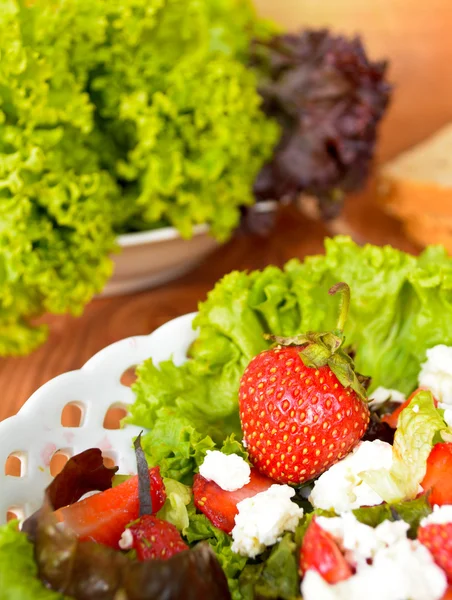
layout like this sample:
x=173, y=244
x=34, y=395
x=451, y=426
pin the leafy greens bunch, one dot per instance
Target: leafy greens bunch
x=329, y=98
x=116, y=116
x=401, y=306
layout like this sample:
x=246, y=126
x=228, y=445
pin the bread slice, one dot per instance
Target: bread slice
x=417, y=187
x=421, y=178
x=427, y=229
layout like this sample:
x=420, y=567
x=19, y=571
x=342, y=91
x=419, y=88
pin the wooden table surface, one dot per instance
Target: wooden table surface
x=73, y=341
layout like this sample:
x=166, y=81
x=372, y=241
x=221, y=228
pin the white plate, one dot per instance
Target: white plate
x=35, y=434
x=151, y=258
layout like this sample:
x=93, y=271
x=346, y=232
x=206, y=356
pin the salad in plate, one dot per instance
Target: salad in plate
x=303, y=451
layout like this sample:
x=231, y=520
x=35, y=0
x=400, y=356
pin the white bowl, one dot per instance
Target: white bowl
x=151, y=258
x=35, y=435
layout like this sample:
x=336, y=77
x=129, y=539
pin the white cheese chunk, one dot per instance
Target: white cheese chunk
x=381, y=395
x=388, y=565
x=126, y=541
x=263, y=518
x=358, y=541
x=342, y=489
x=439, y=516
x=436, y=373
x=230, y=471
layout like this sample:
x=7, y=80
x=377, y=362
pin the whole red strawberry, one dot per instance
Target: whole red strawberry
x=302, y=406
x=437, y=537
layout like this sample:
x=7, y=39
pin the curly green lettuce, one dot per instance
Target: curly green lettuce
x=276, y=577
x=273, y=575
x=116, y=117
x=200, y=141
x=176, y=447
x=401, y=305
x=179, y=118
x=200, y=529
x=55, y=202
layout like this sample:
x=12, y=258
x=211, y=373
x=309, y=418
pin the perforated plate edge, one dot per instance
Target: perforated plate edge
x=35, y=433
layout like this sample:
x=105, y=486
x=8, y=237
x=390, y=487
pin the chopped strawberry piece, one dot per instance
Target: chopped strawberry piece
x=103, y=517
x=448, y=594
x=320, y=552
x=153, y=538
x=392, y=419
x=438, y=477
x=220, y=506
x=437, y=537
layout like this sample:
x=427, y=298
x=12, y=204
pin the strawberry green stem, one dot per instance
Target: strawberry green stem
x=343, y=289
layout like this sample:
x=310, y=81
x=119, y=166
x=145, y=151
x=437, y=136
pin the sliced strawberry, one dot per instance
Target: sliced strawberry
x=392, y=419
x=220, y=506
x=438, y=477
x=448, y=594
x=437, y=537
x=320, y=552
x=103, y=517
x=153, y=538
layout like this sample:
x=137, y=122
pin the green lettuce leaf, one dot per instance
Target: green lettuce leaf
x=418, y=424
x=176, y=447
x=199, y=529
x=274, y=574
x=232, y=446
x=411, y=511
x=202, y=401
x=178, y=497
x=276, y=578
x=18, y=570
